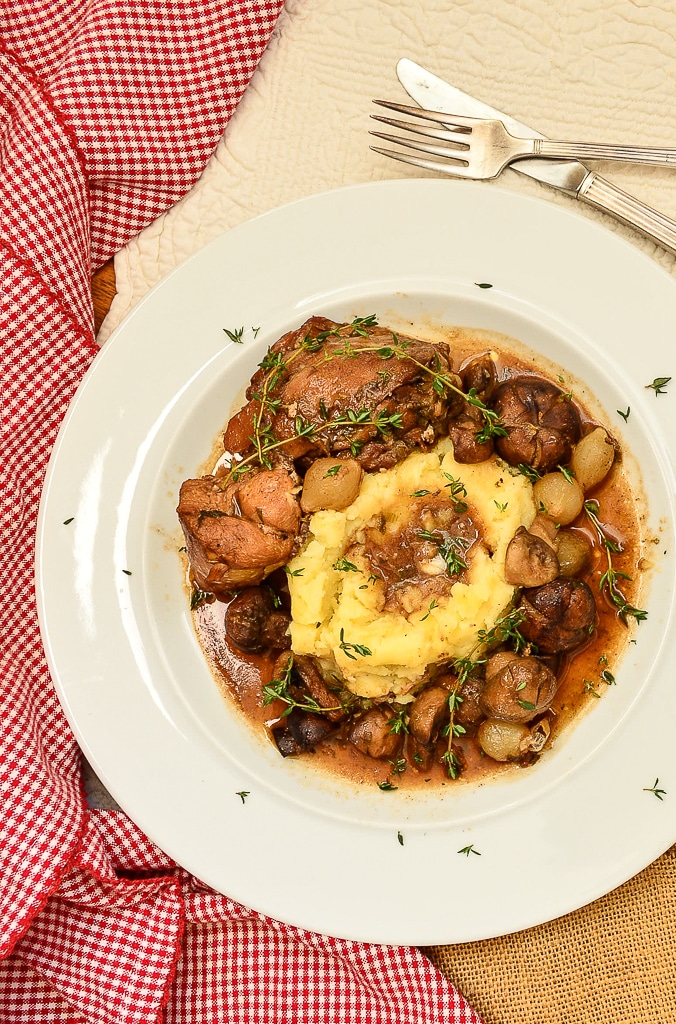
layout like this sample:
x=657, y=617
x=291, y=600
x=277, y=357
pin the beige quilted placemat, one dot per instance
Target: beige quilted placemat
x=601, y=70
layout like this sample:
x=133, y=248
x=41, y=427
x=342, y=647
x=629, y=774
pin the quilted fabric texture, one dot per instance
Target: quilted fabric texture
x=110, y=109
x=586, y=70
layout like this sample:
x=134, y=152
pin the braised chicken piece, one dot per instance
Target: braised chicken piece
x=326, y=372
x=239, y=533
x=419, y=557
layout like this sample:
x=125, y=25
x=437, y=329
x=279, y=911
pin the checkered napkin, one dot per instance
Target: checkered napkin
x=109, y=110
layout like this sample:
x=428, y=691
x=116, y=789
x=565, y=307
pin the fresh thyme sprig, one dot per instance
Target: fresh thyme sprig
x=659, y=793
x=469, y=849
x=343, y=565
x=398, y=723
x=449, y=549
x=265, y=442
x=348, y=648
x=659, y=385
x=278, y=689
x=529, y=472
x=452, y=763
x=452, y=730
x=441, y=382
x=609, y=581
x=505, y=629
x=457, y=491
x=198, y=597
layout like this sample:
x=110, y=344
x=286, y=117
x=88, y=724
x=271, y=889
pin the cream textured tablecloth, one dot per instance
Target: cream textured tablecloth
x=599, y=70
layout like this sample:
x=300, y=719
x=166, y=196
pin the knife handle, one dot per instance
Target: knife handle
x=602, y=194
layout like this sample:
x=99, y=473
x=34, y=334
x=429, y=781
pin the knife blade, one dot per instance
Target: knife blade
x=570, y=176
x=433, y=93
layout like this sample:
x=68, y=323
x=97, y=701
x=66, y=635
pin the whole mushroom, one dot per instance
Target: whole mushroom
x=559, y=616
x=372, y=734
x=254, y=623
x=517, y=687
x=530, y=561
x=542, y=424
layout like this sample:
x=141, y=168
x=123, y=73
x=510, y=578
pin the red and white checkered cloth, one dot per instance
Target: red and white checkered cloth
x=109, y=110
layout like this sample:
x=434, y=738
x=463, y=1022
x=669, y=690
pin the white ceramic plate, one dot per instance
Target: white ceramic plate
x=117, y=629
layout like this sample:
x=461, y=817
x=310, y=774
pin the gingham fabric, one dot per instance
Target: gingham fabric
x=110, y=109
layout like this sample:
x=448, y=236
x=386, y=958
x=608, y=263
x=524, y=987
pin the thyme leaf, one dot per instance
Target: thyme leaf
x=659, y=793
x=197, y=597
x=343, y=565
x=529, y=472
x=278, y=689
x=609, y=581
x=659, y=385
x=433, y=605
x=348, y=648
x=398, y=724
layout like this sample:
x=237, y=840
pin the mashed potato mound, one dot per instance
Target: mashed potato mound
x=336, y=612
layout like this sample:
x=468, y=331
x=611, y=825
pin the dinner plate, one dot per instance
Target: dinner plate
x=466, y=861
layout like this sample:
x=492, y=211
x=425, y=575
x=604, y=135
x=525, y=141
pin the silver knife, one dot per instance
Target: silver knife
x=569, y=176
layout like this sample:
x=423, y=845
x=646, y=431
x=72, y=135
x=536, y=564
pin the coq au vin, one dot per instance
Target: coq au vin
x=414, y=561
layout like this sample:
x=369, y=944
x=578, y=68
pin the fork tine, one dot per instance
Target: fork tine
x=424, y=147
x=431, y=115
x=454, y=138
x=454, y=170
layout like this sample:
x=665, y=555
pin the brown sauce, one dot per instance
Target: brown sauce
x=583, y=676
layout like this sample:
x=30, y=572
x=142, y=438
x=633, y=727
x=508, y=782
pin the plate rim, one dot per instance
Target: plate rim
x=64, y=688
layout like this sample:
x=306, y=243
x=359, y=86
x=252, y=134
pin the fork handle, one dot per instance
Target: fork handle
x=602, y=194
x=590, y=151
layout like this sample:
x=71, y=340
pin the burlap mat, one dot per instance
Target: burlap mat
x=613, y=961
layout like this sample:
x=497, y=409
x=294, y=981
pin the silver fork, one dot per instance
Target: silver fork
x=480, y=149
